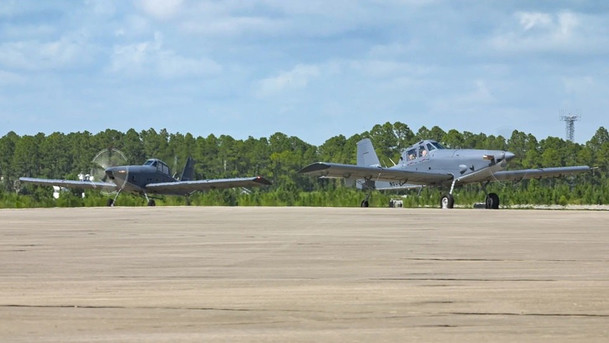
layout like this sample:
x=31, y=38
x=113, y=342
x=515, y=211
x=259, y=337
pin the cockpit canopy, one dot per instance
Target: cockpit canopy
x=421, y=149
x=160, y=165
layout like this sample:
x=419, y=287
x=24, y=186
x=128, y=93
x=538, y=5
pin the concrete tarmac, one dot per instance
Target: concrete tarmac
x=248, y=274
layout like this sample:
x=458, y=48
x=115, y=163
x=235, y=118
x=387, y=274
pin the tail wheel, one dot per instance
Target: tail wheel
x=110, y=202
x=365, y=203
x=492, y=201
x=447, y=201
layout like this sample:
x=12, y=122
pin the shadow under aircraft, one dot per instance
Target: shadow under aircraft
x=428, y=163
x=151, y=178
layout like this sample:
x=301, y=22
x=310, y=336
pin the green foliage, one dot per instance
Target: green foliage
x=279, y=157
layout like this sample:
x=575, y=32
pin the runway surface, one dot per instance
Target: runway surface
x=247, y=274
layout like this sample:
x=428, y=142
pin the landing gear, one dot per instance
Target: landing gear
x=111, y=201
x=365, y=202
x=447, y=201
x=151, y=202
x=492, y=201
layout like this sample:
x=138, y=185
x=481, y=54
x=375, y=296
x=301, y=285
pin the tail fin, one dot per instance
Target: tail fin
x=189, y=170
x=366, y=156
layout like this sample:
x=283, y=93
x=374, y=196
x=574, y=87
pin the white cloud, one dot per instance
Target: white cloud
x=478, y=96
x=387, y=68
x=160, y=9
x=529, y=20
x=296, y=78
x=537, y=32
x=150, y=58
x=64, y=53
x=232, y=26
x=102, y=7
x=567, y=23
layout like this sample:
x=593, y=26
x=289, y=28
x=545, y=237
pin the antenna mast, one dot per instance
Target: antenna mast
x=570, y=120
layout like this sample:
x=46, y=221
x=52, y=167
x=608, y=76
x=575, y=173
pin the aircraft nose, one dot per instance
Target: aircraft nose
x=110, y=173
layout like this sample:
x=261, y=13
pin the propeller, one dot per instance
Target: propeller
x=105, y=159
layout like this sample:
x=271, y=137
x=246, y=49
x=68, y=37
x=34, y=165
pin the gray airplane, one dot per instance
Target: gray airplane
x=151, y=178
x=428, y=163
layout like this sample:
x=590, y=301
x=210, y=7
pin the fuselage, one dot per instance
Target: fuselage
x=135, y=178
x=430, y=156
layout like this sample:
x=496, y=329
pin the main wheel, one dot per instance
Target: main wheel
x=110, y=202
x=364, y=203
x=151, y=202
x=447, y=201
x=492, y=201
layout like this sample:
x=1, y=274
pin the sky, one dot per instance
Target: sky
x=312, y=69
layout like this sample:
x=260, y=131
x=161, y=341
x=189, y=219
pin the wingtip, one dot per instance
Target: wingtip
x=263, y=181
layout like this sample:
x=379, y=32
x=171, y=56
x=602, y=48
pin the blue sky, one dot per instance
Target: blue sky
x=312, y=69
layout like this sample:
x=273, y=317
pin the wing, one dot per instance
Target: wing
x=517, y=175
x=397, y=175
x=106, y=186
x=186, y=187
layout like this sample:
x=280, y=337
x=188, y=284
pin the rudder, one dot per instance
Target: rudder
x=366, y=156
x=189, y=171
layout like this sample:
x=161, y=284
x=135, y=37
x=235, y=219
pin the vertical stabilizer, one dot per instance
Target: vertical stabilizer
x=189, y=170
x=366, y=156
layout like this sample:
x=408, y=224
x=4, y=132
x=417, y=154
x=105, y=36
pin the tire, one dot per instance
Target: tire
x=447, y=201
x=365, y=203
x=151, y=202
x=110, y=202
x=492, y=201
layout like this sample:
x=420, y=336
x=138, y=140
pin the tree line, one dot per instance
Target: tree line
x=279, y=157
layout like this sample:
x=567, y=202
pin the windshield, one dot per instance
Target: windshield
x=438, y=145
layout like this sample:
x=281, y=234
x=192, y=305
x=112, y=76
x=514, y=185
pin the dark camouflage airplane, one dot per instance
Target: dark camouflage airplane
x=427, y=163
x=151, y=178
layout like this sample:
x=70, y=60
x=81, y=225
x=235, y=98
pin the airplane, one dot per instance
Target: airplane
x=428, y=163
x=151, y=178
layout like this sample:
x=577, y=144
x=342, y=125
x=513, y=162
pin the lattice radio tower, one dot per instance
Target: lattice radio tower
x=570, y=120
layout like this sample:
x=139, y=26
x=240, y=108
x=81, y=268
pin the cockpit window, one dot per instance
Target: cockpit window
x=159, y=165
x=422, y=151
x=163, y=168
x=438, y=145
x=412, y=154
x=430, y=147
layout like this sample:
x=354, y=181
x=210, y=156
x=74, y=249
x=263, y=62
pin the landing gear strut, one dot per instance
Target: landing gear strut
x=150, y=201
